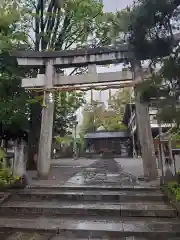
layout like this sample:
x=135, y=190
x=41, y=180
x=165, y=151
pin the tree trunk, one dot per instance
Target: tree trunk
x=144, y=130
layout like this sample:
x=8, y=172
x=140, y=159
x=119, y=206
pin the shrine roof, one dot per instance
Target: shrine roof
x=101, y=135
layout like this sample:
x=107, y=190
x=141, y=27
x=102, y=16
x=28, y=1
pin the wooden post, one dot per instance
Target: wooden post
x=171, y=155
x=44, y=157
x=161, y=153
x=144, y=129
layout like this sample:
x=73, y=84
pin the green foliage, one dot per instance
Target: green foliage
x=2, y=153
x=114, y=123
x=149, y=27
x=150, y=21
x=81, y=142
x=64, y=25
x=65, y=139
x=66, y=105
x=2, y=157
x=13, y=99
x=10, y=34
x=96, y=115
x=61, y=26
x=90, y=119
x=120, y=99
x=7, y=178
x=174, y=187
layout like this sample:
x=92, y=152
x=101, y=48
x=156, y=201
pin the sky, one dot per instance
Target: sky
x=114, y=5
x=109, y=6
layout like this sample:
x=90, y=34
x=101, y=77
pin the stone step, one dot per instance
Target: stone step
x=100, y=187
x=88, y=228
x=106, y=238
x=55, y=208
x=89, y=195
x=29, y=236
x=36, y=236
x=52, y=236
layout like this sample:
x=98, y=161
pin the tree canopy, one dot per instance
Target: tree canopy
x=13, y=99
x=41, y=26
x=149, y=26
x=97, y=115
x=152, y=26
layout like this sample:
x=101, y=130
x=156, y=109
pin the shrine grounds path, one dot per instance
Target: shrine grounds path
x=98, y=199
x=112, y=171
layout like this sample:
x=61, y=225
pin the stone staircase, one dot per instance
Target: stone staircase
x=88, y=212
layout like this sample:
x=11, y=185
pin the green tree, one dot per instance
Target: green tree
x=112, y=121
x=96, y=115
x=56, y=25
x=92, y=117
x=151, y=27
x=65, y=116
x=151, y=35
x=120, y=99
x=13, y=99
x=153, y=31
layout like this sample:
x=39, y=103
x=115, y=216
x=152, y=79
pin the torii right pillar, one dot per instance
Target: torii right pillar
x=144, y=129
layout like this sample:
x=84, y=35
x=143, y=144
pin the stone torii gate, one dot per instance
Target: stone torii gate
x=79, y=58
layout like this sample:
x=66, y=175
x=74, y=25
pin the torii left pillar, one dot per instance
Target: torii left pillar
x=44, y=156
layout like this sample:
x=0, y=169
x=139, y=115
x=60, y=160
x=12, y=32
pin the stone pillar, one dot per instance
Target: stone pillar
x=144, y=129
x=19, y=159
x=44, y=157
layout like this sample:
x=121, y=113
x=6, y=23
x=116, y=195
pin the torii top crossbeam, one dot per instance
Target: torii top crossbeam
x=75, y=58
x=80, y=57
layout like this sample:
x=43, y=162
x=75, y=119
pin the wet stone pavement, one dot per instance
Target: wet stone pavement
x=100, y=201
x=104, y=171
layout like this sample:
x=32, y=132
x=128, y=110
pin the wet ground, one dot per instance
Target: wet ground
x=96, y=172
x=95, y=199
x=106, y=171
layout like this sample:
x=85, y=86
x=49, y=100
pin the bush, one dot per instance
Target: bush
x=7, y=178
x=174, y=187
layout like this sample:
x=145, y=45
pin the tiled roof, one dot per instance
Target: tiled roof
x=96, y=135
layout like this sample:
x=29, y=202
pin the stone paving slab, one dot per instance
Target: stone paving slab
x=28, y=236
x=98, y=171
x=90, y=205
x=57, y=175
x=97, y=228
x=69, y=236
x=81, y=162
x=78, y=191
x=103, y=171
x=88, y=195
x=52, y=208
x=103, y=238
x=4, y=196
x=111, y=187
x=36, y=236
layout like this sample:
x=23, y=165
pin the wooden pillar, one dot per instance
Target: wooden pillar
x=171, y=156
x=144, y=129
x=44, y=156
